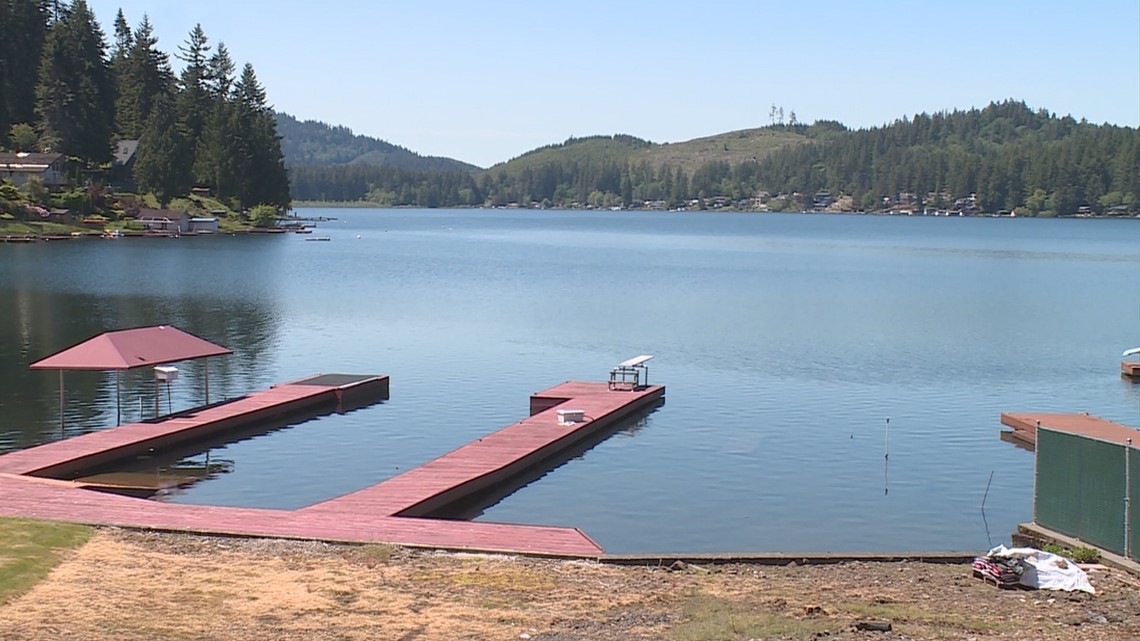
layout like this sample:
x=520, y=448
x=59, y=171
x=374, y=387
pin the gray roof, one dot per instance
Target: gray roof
x=24, y=161
x=125, y=150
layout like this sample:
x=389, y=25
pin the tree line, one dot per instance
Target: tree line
x=1007, y=156
x=65, y=92
x=1002, y=157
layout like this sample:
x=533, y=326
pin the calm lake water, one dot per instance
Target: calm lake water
x=785, y=341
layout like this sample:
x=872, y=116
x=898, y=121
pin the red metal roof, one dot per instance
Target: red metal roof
x=131, y=348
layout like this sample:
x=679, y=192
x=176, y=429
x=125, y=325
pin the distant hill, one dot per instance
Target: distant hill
x=733, y=147
x=1002, y=158
x=314, y=143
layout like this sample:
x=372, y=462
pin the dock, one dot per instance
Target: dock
x=49, y=482
x=1025, y=426
x=69, y=458
x=494, y=458
x=1130, y=370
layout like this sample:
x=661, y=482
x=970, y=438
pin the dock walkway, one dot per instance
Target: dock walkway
x=497, y=456
x=34, y=482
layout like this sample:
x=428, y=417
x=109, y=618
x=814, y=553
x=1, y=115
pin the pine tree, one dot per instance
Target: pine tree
x=162, y=162
x=215, y=164
x=194, y=102
x=215, y=160
x=75, y=98
x=124, y=39
x=23, y=29
x=144, y=73
x=260, y=164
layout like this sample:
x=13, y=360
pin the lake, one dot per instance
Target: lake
x=786, y=342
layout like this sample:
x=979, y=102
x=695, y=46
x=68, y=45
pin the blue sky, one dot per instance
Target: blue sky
x=486, y=81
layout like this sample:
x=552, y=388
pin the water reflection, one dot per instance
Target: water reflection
x=474, y=506
x=58, y=300
x=171, y=472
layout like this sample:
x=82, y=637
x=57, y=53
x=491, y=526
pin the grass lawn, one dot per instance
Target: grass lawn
x=30, y=549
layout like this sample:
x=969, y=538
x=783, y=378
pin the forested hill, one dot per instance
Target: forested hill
x=1001, y=158
x=311, y=142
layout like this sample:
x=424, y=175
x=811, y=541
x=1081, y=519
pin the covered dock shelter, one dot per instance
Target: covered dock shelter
x=130, y=349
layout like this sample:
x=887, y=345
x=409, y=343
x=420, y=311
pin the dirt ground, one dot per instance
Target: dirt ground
x=128, y=585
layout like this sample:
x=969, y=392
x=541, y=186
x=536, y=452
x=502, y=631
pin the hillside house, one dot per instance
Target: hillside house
x=123, y=164
x=18, y=167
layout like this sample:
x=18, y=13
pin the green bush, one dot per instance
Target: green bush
x=263, y=215
x=1079, y=554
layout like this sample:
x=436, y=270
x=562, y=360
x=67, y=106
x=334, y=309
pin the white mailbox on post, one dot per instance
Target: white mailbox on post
x=166, y=373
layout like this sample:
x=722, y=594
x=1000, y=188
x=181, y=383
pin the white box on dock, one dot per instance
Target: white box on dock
x=569, y=417
x=166, y=373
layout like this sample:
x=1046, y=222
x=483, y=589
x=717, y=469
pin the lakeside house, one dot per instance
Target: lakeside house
x=176, y=222
x=170, y=221
x=21, y=166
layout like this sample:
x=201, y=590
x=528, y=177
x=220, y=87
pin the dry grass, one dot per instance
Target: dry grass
x=128, y=585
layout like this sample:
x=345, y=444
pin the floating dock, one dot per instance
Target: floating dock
x=1130, y=370
x=34, y=483
x=69, y=458
x=1025, y=427
x=490, y=460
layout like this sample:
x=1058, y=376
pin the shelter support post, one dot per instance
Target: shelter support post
x=61, y=403
x=206, y=364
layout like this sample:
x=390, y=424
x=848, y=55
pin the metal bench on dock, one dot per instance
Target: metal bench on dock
x=627, y=375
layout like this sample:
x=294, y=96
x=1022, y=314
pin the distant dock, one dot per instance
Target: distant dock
x=38, y=482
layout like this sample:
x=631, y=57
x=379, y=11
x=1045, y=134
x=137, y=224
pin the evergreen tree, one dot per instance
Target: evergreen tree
x=215, y=165
x=75, y=98
x=124, y=40
x=144, y=74
x=194, y=102
x=23, y=29
x=220, y=73
x=215, y=160
x=162, y=161
x=260, y=164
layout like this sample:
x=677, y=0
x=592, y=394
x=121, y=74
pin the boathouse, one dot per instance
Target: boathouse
x=170, y=221
x=1087, y=481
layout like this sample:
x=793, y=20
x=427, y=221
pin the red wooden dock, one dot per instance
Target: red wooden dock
x=1025, y=427
x=497, y=456
x=66, y=458
x=386, y=512
x=1130, y=369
